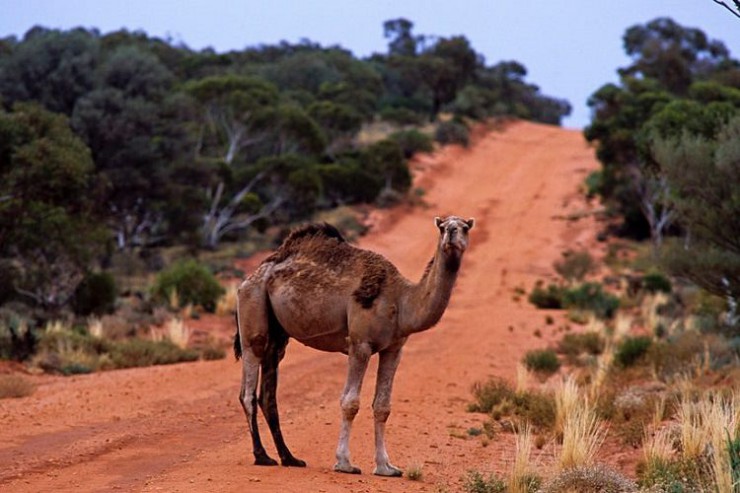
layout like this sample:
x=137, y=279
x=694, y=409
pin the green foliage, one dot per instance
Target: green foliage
x=631, y=349
x=542, y=361
x=704, y=174
x=547, y=298
x=140, y=352
x=497, y=398
x=590, y=296
x=413, y=142
x=733, y=449
x=574, y=266
x=674, y=476
x=475, y=482
x=452, y=132
x=193, y=283
x=95, y=295
x=655, y=282
x=573, y=345
x=675, y=84
x=401, y=116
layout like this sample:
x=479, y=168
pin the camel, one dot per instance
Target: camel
x=329, y=295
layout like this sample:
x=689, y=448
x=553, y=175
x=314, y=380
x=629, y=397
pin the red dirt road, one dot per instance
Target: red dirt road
x=180, y=428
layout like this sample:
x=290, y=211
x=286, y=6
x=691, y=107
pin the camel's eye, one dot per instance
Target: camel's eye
x=466, y=228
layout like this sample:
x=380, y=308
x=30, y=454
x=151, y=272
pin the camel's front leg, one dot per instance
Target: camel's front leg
x=359, y=355
x=387, y=365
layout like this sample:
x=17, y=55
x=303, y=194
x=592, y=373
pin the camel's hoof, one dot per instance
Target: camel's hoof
x=264, y=460
x=293, y=462
x=347, y=468
x=388, y=470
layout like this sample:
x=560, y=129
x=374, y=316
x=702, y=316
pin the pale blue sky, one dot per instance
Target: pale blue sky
x=570, y=48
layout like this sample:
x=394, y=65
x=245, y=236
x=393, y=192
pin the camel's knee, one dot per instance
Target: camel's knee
x=381, y=412
x=350, y=406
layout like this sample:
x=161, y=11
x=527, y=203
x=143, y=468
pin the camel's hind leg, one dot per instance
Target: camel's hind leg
x=252, y=325
x=268, y=393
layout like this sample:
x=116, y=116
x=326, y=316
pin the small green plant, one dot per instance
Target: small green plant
x=193, y=283
x=573, y=345
x=631, y=349
x=141, y=352
x=414, y=472
x=590, y=296
x=543, y=361
x=498, y=398
x=550, y=297
x=95, y=295
x=412, y=141
x=575, y=266
x=452, y=132
x=14, y=386
x=475, y=482
x=656, y=282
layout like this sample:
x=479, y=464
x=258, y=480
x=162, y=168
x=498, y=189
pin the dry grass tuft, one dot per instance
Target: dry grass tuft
x=521, y=474
x=589, y=478
x=13, y=386
x=178, y=332
x=522, y=378
x=227, y=303
x=414, y=472
x=567, y=397
x=95, y=327
x=583, y=434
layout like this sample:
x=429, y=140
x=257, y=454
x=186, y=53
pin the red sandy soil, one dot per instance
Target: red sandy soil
x=180, y=427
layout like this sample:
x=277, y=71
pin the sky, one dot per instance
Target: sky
x=570, y=47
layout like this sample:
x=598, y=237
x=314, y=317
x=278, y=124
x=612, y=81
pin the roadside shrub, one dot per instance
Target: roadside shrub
x=590, y=478
x=193, y=283
x=590, y=296
x=490, y=394
x=497, y=398
x=475, y=482
x=542, y=360
x=656, y=282
x=13, y=386
x=412, y=141
x=95, y=295
x=141, y=352
x=401, y=116
x=574, y=266
x=452, y=132
x=631, y=349
x=546, y=298
x=574, y=345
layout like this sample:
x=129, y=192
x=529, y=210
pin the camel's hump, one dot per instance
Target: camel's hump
x=314, y=230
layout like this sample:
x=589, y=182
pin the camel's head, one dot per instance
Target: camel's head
x=453, y=234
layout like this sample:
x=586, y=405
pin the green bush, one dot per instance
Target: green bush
x=401, y=116
x=574, y=266
x=631, y=349
x=452, y=132
x=656, y=282
x=573, y=345
x=590, y=296
x=140, y=352
x=95, y=295
x=412, y=141
x=542, y=361
x=490, y=395
x=192, y=281
x=475, y=482
x=547, y=298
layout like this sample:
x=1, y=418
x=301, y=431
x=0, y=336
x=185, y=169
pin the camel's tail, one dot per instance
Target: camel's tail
x=237, y=340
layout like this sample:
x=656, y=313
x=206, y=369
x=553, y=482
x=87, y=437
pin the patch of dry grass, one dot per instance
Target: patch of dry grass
x=227, y=303
x=521, y=473
x=583, y=434
x=567, y=398
x=14, y=386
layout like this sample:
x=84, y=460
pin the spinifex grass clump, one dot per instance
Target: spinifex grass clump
x=498, y=399
x=12, y=386
x=543, y=361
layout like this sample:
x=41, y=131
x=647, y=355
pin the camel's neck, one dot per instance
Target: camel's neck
x=424, y=303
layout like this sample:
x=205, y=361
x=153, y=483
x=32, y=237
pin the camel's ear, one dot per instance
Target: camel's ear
x=470, y=222
x=438, y=222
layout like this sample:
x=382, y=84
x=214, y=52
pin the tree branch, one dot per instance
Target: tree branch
x=737, y=5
